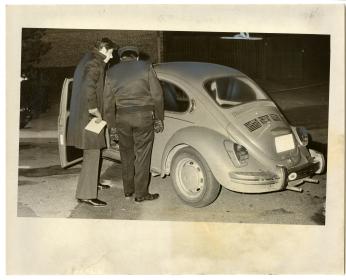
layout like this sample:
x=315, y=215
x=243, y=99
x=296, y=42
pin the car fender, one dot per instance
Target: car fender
x=208, y=143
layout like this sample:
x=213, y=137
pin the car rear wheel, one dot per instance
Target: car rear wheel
x=192, y=179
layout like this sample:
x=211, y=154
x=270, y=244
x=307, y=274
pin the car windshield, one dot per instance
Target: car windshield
x=232, y=91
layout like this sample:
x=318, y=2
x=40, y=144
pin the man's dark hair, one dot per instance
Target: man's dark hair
x=105, y=42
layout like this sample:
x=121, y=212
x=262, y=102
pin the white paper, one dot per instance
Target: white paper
x=95, y=127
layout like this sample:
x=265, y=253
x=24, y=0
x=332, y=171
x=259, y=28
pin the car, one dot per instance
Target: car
x=221, y=130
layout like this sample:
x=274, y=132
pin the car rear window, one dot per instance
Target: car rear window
x=232, y=91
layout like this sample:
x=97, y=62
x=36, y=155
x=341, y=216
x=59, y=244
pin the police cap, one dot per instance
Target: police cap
x=131, y=49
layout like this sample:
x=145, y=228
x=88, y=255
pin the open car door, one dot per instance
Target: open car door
x=68, y=155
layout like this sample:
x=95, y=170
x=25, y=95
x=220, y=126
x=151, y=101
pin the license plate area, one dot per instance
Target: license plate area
x=284, y=143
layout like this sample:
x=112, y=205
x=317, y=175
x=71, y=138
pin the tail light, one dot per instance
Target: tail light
x=241, y=153
x=238, y=153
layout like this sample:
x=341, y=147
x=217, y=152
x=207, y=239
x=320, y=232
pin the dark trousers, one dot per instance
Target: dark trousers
x=89, y=176
x=136, y=137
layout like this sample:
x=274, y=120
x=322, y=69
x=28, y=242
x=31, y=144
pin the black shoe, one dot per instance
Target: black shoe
x=149, y=196
x=93, y=202
x=101, y=187
x=128, y=195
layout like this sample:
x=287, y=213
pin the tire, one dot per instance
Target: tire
x=192, y=179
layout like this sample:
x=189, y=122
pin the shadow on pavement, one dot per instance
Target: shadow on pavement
x=46, y=171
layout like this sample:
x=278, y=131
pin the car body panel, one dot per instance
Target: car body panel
x=259, y=141
x=211, y=149
x=275, y=153
x=195, y=115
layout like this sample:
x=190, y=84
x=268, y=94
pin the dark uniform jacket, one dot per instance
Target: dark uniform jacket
x=132, y=85
x=87, y=92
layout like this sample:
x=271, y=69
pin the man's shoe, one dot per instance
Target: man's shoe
x=94, y=202
x=149, y=196
x=101, y=187
x=128, y=195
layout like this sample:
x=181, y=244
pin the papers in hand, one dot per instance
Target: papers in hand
x=95, y=127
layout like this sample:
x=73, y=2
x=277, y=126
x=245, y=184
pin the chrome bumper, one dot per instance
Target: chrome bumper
x=257, y=182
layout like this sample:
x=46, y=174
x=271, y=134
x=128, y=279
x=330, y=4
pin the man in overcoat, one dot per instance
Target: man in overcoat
x=133, y=105
x=87, y=103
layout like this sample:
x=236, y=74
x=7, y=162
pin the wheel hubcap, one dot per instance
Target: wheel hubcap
x=190, y=177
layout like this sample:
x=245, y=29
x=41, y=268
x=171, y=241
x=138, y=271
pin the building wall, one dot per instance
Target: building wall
x=68, y=45
x=275, y=57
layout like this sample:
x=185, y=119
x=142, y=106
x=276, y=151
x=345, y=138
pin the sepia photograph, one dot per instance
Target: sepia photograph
x=245, y=127
x=175, y=139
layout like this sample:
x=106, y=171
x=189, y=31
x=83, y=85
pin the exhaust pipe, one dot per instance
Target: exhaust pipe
x=294, y=188
x=299, y=189
x=310, y=180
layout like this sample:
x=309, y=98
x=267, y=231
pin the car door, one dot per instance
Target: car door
x=68, y=155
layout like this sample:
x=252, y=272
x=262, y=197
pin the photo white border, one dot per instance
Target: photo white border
x=63, y=246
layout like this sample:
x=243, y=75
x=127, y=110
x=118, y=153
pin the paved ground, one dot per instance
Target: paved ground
x=46, y=190
x=49, y=192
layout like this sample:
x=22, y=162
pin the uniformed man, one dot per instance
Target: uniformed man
x=86, y=103
x=134, y=105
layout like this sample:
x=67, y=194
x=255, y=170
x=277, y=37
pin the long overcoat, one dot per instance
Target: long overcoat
x=87, y=91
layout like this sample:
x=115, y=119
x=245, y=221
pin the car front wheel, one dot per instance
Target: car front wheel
x=193, y=180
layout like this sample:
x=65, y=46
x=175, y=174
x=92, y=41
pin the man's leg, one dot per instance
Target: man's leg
x=143, y=138
x=100, y=185
x=88, y=178
x=127, y=156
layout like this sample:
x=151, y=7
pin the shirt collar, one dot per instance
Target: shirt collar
x=98, y=55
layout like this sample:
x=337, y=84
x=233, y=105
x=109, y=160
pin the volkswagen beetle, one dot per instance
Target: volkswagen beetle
x=221, y=129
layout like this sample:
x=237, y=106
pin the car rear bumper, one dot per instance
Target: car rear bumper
x=260, y=182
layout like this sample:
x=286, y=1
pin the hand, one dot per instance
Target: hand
x=95, y=112
x=113, y=134
x=158, y=126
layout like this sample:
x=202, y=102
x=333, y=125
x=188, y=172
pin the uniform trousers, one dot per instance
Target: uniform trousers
x=136, y=137
x=89, y=176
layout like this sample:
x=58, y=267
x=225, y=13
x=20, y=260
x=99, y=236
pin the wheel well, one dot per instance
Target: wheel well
x=171, y=154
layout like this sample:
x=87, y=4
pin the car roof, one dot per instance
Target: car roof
x=196, y=71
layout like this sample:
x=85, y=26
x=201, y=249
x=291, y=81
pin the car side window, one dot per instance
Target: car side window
x=175, y=99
